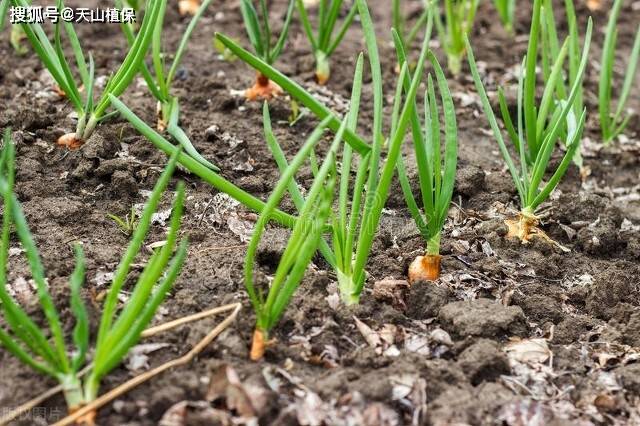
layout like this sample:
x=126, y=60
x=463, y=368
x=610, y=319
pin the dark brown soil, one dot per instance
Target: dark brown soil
x=449, y=352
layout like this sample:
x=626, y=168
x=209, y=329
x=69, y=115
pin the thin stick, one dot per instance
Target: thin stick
x=152, y=331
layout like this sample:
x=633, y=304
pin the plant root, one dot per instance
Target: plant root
x=525, y=228
x=70, y=141
x=425, y=268
x=188, y=7
x=263, y=89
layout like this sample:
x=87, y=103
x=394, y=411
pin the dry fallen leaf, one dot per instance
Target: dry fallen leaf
x=528, y=351
x=137, y=358
x=246, y=400
x=187, y=413
x=370, y=336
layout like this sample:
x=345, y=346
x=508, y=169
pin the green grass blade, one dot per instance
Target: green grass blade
x=451, y=141
x=250, y=17
x=134, y=58
x=15, y=349
x=269, y=207
x=134, y=247
x=23, y=327
x=306, y=24
x=630, y=75
x=486, y=105
x=530, y=119
x=284, y=33
x=572, y=148
x=179, y=135
x=117, y=353
x=81, y=329
x=346, y=24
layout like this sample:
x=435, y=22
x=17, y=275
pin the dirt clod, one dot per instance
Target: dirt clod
x=483, y=318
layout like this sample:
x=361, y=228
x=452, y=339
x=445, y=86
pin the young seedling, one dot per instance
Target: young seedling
x=47, y=351
x=303, y=243
x=89, y=113
x=612, y=125
x=534, y=146
x=161, y=80
x=399, y=21
x=436, y=174
x=259, y=32
x=459, y=18
x=361, y=200
x=128, y=223
x=324, y=43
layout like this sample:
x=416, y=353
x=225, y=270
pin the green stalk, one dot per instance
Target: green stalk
x=323, y=44
x=612, y=125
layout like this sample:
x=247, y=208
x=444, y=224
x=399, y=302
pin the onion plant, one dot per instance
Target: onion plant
x=360, y=200
x=459, y=18
x=612, y=124
x=161, y=80
x=399, y=21
x=305, y=237
x=46, y=350
x=436, y=173
x=539, y=127
x=89, y=112
x=260, y=37
x=506, y=9
x=327, y=39
x=551, y=49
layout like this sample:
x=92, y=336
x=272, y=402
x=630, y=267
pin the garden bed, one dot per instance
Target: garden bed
x=436, y=353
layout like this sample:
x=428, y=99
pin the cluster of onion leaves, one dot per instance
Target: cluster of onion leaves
x=161, y=80
x=81, y=94
x=436, y=172
x=550, y=49
x=506, y=9
x=459, y=18
x=539, y=127
x=306, y=235
x=612, y=125
x=326, y=39
x=119, y=329
x=355, y=225
x=260, y=36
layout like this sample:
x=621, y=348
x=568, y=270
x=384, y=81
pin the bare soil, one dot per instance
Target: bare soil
x=511, y=334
